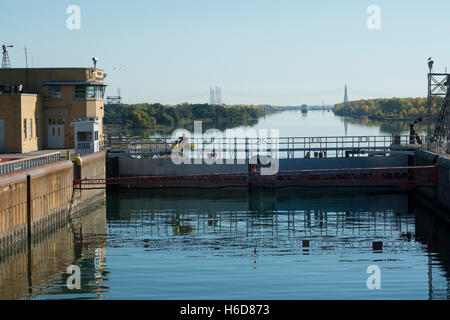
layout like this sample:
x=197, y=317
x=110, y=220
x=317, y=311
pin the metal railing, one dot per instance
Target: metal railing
x=244, y=148
x=28, y=163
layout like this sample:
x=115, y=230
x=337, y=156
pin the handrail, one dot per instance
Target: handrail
x=292, y=146
x=28, y=163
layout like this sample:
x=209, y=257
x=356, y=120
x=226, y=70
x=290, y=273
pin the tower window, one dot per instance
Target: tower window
x=89, y=91
x=80, y=91
x=54, y=92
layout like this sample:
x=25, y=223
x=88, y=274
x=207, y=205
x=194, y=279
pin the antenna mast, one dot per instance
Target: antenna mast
x=26, y=56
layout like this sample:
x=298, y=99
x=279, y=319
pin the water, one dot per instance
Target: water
x=316, y=123
x=285, y=244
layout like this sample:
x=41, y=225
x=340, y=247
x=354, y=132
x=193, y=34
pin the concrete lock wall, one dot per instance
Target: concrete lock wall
x=92, y=167
x=129, y=167
x=51, y=192
x=425, y=158
x=35, y=200
x=443, y=188
x=13, y=209
x=343, y=163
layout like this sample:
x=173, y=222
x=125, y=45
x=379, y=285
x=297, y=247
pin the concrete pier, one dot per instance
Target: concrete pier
x=436, y=199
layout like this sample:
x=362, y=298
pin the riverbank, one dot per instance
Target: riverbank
x=389, y=109
x=153, y=116
x=380, y=118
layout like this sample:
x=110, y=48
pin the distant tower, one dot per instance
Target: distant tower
x=345, y=95
x=6, y=64
x=215, y=96
x=212, y=100
x=218, y=96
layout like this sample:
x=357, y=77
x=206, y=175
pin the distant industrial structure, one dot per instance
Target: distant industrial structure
x=345, y=95
x=114, y=99
x=438, y=86
x=6, y=64
x=215, y=96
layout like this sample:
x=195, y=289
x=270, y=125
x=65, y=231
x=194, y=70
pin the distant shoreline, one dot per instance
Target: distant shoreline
x=381, y=118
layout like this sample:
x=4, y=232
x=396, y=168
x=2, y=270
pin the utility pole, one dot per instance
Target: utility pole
x=26, y=56
x=430, y=68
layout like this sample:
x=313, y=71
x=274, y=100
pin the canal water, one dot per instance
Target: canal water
x=237, y=244
x=233, y=244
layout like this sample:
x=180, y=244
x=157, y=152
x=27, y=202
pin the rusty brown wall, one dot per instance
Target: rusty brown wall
x=52, y=197
x=13, y=208
x=93, y=166
x=51, y=193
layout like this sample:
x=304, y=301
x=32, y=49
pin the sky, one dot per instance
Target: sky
x=283, y=52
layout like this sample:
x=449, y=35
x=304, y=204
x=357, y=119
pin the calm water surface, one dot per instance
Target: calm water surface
x=318, y=123
x=285, y=244
x=315, y=123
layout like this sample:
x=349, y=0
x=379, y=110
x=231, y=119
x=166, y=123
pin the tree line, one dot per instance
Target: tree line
x=144, y=115
x=395, y=108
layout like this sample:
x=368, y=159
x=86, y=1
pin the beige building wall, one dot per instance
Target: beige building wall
x=10, y=114
x=31, y=109
x=14, y=109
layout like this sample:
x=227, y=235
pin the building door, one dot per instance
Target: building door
x=2, y=136
x=55, y=133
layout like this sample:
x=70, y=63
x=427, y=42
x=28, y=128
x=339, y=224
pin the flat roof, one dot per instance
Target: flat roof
x=69, y=83
x=50, y=68
x=19, y=94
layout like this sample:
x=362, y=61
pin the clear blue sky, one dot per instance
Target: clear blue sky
x=276, y=52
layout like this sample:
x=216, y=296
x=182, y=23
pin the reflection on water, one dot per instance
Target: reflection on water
x=387, y=127
x=234, y=244
x=285, y=244
x=297, y=124
x=40, y=272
